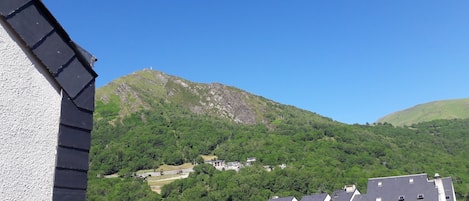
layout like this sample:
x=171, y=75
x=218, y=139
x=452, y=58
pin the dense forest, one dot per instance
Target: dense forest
x=119, y=189
x=147, y=121
x=320, y=157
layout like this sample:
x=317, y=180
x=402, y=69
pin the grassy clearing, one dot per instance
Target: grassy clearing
x=111, y=176
x=156, y=178
x=167, y=168
x=157, y=182
x=161, y=180
x=208, y=157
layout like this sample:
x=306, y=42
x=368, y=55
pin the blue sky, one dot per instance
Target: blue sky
x=352, y=61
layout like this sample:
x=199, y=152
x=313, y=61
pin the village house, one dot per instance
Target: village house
x=250, y=161
x=46, y=106
x=218, y=164
x=233, y=165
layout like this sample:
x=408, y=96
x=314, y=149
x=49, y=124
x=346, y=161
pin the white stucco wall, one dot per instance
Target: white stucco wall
x=29, y=123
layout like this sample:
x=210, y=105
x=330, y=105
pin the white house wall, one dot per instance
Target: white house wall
x=29, y=115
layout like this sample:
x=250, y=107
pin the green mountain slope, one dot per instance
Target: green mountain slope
x=436, y=146
x=150, y=90
x=148, y=119
x=446, y=109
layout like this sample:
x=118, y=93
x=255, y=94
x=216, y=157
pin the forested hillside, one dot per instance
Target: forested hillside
x=148, y=119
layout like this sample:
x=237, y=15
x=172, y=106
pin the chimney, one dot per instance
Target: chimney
x=350, y=188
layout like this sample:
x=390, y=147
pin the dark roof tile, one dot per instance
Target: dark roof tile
x=54, y=53
x=74, y=78
x=72, y=159
x=85, y=100
x=75, y=117
x=9, y=6
x=30, y=24
x=61, y=194
x=70, y=179
x=74, y=137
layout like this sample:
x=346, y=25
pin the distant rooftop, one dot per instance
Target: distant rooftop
x=315, y=197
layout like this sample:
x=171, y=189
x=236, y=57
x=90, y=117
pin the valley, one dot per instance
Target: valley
x=149, y=120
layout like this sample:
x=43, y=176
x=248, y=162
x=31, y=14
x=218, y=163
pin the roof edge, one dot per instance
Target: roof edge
x=400, y=176
x=62, y=33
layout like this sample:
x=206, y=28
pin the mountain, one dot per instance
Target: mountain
x=148, y=89
x=445, y=109
x=149, y=119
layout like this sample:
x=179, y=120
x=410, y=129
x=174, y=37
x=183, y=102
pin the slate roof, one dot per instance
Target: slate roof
x=342, y=195
x=289, y=198
x=401, y=188
x=315, y=197
x=449, y=189
x=360, y=197
x=35, y=28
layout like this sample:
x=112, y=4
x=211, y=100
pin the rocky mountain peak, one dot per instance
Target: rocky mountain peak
x=147, y=89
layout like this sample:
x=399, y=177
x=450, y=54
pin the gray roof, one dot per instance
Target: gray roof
x=289, y=198
x=342, y=195
x=449, y=189
x=407, y=187
x=360, y=197
x=315, y=197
